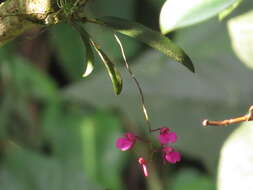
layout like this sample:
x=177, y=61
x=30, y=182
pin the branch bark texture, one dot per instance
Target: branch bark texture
x=17, y=16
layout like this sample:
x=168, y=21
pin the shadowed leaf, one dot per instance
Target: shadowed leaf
x=152, y=38
x=89, y=54
x=111, y=69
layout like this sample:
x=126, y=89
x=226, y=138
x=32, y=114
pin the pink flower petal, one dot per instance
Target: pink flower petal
x=124, y=144
x=164, y=130
x=145, y=170
x=173, y=157
x=131, y=136
x=167, y=149
x=172, y=137
x=169, y=137
x=144, y=167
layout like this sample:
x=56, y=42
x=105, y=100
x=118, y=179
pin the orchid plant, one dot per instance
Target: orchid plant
x=165, y=138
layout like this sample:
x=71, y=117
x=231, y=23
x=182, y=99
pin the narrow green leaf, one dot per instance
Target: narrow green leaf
x=89, y=54
x=181, y=13
x=152, y=38
x=89, y=69
x=229, y=10
x=111, y=69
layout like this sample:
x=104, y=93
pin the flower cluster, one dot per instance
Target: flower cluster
x=165, y=138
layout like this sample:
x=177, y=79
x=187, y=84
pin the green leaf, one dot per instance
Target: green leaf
x=99, y=132
x=236, y=160
x=157, y=4
x=89, y=146
x=69, y=50
x=241, y=33
x=111, y=69
x=180, y=13
x=89, y=54
x=229, y=10
x=152, y=38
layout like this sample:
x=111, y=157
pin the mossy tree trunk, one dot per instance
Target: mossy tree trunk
x=17, y=16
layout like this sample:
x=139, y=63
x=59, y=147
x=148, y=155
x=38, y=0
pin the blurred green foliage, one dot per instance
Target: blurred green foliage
x=71, y=61
x=189, y=179
x=60, y=135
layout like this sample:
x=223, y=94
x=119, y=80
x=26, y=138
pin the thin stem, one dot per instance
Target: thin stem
x=144, y=109
x=154, y=130
x=247, y=117
x=143, y=140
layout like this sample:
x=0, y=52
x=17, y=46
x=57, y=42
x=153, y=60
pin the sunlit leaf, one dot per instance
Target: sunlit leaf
x=180, y=13
x=111, y=69
x=241, y=33
x=152, y=38
x=236, y=160
x=89, y=54
x=89, y=69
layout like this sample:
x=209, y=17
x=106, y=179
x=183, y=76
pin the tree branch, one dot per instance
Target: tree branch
x=17, y=16
x=246, y=117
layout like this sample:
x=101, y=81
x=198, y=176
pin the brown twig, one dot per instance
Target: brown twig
x=247, y=117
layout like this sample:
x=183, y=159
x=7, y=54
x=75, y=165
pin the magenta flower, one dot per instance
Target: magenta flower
x=170, y=155
x=126, y=142
x=166, y=136
x=144, y=167
x=167, y=149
